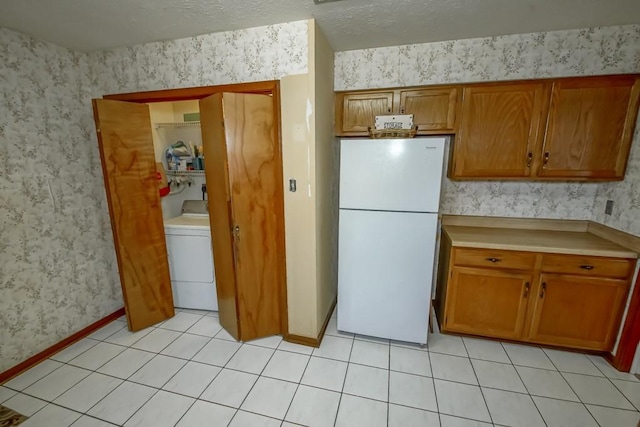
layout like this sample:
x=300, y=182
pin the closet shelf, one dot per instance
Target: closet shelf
x=177, y=125
x=185, y=173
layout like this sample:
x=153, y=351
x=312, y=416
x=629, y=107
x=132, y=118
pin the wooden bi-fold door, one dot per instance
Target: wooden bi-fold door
x=243, y=167
x=129, y=167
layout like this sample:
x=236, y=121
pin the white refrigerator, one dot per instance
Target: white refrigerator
x=389, y=198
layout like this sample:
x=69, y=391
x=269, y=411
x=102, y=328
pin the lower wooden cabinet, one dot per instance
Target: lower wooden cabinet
x=575, y=311
x=491, y=301
x=578, y=303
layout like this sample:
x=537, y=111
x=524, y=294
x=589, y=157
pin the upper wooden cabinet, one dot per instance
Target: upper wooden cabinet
x=561, y=129
x=359, y=110
x=565, y=129
x=589, y=127
x=499, y=130
x=433, y=109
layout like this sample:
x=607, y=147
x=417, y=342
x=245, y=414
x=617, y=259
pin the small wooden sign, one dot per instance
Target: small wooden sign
x=400, y=121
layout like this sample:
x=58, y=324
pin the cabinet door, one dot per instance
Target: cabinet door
x=359, y=111
x=578, y=312
x=499, y=131
x=432, y=109
x=490, y=303
x=590, y=126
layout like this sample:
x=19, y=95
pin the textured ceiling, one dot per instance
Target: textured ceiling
x=89, y=25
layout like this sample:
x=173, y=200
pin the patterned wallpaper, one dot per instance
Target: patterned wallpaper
x=58, y=271
x=253, y=54
x=57, y=263
x=607, y=50
x=625, y=194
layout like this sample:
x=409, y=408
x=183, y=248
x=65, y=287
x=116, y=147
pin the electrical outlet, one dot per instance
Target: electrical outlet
x=608, y=209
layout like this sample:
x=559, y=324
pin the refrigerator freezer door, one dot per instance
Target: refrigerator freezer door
x=391, y=174
x=385, y=270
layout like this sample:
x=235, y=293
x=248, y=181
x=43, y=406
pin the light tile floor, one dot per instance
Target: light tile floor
x=189, y=372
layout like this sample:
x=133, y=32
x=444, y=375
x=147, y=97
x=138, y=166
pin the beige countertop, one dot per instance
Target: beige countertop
x=536, y=240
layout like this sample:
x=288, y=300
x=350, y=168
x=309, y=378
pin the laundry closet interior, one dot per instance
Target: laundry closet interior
x=194, y=188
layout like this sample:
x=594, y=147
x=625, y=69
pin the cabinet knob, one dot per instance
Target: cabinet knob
x=493, y=259
x=544, y=288
x=526, y=290
x=389, y=110
x=529, y=159
x=402, y=110
x=546, y=160
x=586, y=267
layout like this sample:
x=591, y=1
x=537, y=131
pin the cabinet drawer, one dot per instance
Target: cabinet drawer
x=586, y=265
x=494, y=259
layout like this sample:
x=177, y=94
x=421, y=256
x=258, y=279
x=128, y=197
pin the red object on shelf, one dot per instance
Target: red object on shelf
x=163, y=186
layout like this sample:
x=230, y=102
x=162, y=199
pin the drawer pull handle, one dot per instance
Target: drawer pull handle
x=526, y=289
x=586, y=267
x=494, y=259
x=544, y=288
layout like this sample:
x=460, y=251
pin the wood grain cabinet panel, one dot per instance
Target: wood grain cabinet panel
x=590, y=127
x=487, y=302
x=577, y=128
x=615, y=268
x=358, y=111
x=433, y=109
x=577, y=312
x=494, y=258
x=540, y=298
x=498, y=132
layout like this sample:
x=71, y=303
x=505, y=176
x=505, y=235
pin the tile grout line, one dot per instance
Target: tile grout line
x=158, y=389
x=335, y=423
x=525, y=386
x=261, y=375
x=133, y=382
x=183, y=366
x=433, y=383
x=297, y=388
x=389, y=383
x=614, y=384
x=92, y=371
x=584, y=405
x=476, y=375
x=57, y=396
x=253, y=385
x=221, y=369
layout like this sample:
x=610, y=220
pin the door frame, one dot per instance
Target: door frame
x=269, y=87
x=630, y=335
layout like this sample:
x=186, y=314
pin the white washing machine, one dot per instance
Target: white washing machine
x=190, y=255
